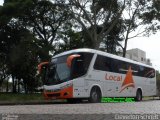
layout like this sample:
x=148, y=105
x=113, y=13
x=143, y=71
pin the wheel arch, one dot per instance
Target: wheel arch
x=139, y=88
x=139, y=95
x=98, y=86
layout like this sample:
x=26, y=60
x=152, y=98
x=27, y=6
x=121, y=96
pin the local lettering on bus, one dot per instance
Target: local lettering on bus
x=113, y=77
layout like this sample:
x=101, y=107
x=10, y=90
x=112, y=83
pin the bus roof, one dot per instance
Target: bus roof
x=100, y=53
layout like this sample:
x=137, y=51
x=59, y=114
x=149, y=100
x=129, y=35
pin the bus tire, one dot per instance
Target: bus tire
x=138, y=95
x=95, y=95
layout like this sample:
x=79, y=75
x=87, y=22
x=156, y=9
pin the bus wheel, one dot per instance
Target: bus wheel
x=95, y=95
x=138, y=95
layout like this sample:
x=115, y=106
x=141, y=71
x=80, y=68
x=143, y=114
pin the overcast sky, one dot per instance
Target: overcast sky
x=151, y=45
x=1, y=2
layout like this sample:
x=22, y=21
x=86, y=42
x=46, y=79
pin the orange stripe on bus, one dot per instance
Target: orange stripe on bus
x=64, y=93
x=128, y=81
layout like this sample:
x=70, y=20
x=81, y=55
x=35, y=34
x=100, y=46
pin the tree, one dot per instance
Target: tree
x=41, y=17
x=19, y=51
x=28, y=29
x=26, y=53
x=70, y=40
x=3, y=72
x=45, y=18
x=111, y=42
x=4, y=50
x=90, y=15
x=137, y=20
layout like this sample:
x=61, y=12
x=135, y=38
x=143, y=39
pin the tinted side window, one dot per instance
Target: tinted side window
x=149, y=72
x=106, y=64
x=81, y=64
x=134, y=68
x=102, y=63
x=113, y=65
x=141, y=71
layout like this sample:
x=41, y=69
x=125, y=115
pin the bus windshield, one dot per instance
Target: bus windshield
x=59, y=71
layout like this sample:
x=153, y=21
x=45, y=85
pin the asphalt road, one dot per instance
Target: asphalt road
x=60, y=111
x=150, y=106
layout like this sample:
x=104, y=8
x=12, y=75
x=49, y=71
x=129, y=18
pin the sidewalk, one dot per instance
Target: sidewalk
x=151, y=98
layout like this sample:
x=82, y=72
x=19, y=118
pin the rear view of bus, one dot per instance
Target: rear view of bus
x=62, y=72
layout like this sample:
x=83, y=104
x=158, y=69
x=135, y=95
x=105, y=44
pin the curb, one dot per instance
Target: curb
x=52, y=102
x=151, y=98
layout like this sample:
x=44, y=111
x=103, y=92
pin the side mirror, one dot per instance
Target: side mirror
x=70, y=59
x=40, y=66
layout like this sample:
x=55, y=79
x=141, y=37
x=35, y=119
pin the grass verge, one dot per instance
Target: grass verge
x=12, y=97
x=26, y=99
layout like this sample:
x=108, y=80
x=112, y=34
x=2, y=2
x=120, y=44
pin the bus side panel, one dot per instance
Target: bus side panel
x=111, y=84
x=80, y=88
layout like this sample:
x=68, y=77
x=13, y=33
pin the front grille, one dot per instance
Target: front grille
x=53, y=95
x=55, y=90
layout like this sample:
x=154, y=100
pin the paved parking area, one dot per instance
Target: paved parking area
x=150, y=106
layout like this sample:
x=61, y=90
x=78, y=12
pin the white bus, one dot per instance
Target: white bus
x=92, y=74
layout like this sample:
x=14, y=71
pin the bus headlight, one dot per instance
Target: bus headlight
x=66, y=86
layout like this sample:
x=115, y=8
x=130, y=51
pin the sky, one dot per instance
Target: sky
x=151, y=45
x=1, y=2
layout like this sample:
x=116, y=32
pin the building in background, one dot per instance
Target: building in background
x=138, y=55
